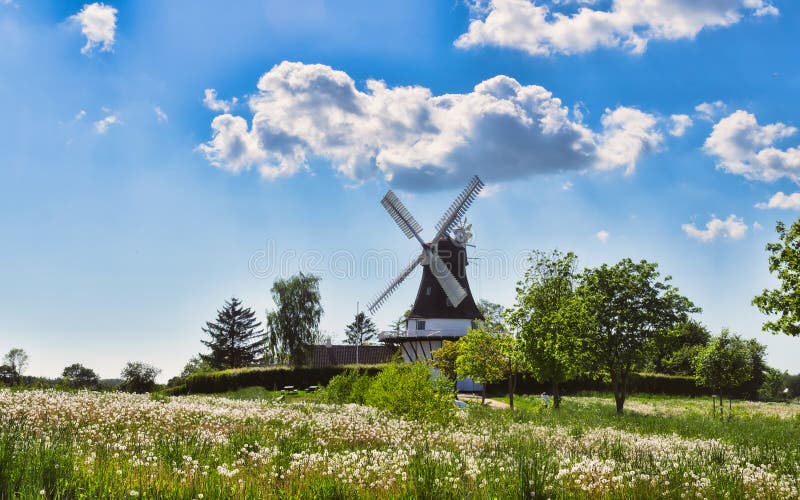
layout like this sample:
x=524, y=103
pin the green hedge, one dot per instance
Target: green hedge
x=647, y=383
x=271, y=378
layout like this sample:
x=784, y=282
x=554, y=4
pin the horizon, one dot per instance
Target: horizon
x=158, y=162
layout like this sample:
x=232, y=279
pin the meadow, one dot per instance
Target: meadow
x=116, y=445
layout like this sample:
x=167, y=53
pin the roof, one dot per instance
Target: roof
x=434, y=304
x=325, y=355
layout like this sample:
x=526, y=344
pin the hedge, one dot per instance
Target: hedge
x=271, y=378
x=648, y=383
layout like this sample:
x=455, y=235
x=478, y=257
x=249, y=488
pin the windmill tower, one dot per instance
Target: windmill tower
x=444, y=308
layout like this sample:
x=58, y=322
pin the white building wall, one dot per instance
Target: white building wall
x=456, y=327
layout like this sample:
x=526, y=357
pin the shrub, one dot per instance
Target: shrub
x=348, y=387
x=409, y=390
x=272, y=378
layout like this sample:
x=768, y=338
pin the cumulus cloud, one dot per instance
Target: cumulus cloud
x=414, y=139
x=161, y=116
x=102, y=126
x=782, y=201
x=709, y=111
x=566, y=186
x=744, y=147
x=214, y=104
x=490, y=190
x=757, y=226
x=603, y=236
x=680, y=123
x=733, y=228
x=541, y=28
x=98, y=24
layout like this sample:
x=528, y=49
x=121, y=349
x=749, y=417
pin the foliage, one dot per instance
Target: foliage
x=399, y=324
x=236, y=337
x=548, y=319
x=673, y=352
x=361, y=330
x=486, y=355
x=638, y=383
x=17, y=359
x=139, y=377
x=725, y=364
x=493, y=314
x=195, y=365
x=78, y=376
x=444, y=360
x=784, y=261
x=775, y=386
x=681, y=362
x=293, y=326
x=758, y=369
x=351, y=386
x=272, y=378
x=409, y=390
x=629, y=306
x=7, y=375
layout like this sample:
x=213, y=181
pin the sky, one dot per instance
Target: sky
x=158, y=158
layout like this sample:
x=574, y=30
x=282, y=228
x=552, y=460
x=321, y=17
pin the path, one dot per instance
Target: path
x=476, y=398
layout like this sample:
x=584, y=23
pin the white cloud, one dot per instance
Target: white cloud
x=709, y=111
x=214, y=104
x=757, y=226
x=567, y=186
x=161, y=116
x=679, y=124
x=98, y=24
x=603, y=236
x=80, y=115
x=412, y=138
x=782, y=201
x=490, y=190
x=541, y=29
x=733, y=227
x=102, y=126
x=746, y=148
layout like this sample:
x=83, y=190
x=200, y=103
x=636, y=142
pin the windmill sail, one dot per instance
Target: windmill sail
x=452, y=288
x=458, y=208
x=410, y=227
x=378, y=301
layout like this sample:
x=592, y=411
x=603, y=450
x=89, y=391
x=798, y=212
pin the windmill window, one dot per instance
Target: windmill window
x=428, y=291
x=420, y=324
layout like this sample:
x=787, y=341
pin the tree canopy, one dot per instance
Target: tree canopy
x=783, y=303
x=293, y=327
x=236, y=337
x=629, y=305
x=493, y=314
x=78, y=376
x=139, y=377
x=486, y=355
x=17, y=360
x=361, y=330
x=725, y=364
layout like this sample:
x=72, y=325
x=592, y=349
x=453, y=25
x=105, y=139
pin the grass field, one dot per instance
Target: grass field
x=114, y=445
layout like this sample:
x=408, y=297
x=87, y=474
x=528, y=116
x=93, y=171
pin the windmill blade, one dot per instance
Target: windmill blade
x=452, y=288
x=401, y=215
x=458, y=208
x=378, y=301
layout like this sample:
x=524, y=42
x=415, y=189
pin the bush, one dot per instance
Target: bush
x=272, y=378
x=647, y=383
x=409, y=390
x=348, y=387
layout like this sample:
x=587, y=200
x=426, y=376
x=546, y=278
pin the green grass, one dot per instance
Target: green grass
x=258, y=393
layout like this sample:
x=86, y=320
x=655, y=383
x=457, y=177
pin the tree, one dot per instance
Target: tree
x=361, y=330
x=7, y=375
x=17, y=359
x=628, y=306
x=293, y=326
x=139, y=377
x=78, y=376
x=196, y=364
x=399, y=324
x=444, y=360
x=724, y=365
x=482, y=357
x=493, y=314
x=548, y=320
x=236, y=337
x=758, y=369
x=774, y=387
x=673, y=352
x=783, y=302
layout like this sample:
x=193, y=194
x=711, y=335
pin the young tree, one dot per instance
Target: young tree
x=236, y=337
x=17, y=359
x=670, y=352
x=549, y=321
x=493, y=314
x=195, y=365
x=482, y=357
x=774, y=386
x=399, y=324
x=629, y=306
x=78, y=376
x=361, y=330
x=444, y=360
x=724, y=365
x=139, y=377
x=783, y=302
x=293, y=326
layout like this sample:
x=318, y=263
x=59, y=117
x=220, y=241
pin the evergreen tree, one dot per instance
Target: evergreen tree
x=236, y=337
x=361, y=330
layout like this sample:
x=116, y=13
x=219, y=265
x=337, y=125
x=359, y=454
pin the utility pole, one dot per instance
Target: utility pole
x=358, y=342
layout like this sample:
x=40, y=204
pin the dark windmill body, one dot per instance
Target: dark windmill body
x=444, y=308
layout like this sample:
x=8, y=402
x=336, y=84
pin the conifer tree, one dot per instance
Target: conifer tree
x=361, y=330
x=236, y=337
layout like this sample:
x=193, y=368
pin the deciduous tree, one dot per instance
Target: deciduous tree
x=724, y=365
x=783, y=303
x=17, y=359
x=139, y=377
x=293, y=327
x=78, y=376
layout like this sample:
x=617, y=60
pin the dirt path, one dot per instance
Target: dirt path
x=475, y=398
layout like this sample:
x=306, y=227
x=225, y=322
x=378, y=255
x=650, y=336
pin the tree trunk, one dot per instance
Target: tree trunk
x=618, y=387
x=512, y=382
x=483, y=393
x=556, y=395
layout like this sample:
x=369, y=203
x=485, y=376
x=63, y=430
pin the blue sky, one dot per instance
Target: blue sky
x=124, y=228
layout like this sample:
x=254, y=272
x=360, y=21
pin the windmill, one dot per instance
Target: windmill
x=444, y=308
